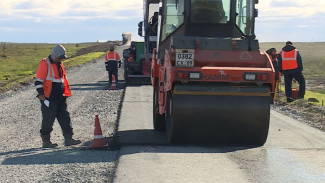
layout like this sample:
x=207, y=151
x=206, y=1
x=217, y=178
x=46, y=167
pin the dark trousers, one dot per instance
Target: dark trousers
x=288, y=83
x=110, y=76
x=111, y=67
x=58, y=110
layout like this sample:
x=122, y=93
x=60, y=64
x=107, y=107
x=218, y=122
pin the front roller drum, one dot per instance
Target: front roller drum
x=225, y=115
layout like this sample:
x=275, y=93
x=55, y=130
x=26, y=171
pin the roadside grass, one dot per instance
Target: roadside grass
x=309, y=95
x=79, y=60
x=19, y=61
x=319, y=96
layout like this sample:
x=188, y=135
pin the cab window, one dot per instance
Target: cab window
x=210, y=11
x=245, y=16
x=174, y=17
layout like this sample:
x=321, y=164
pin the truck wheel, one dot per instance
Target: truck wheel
x=158, y=119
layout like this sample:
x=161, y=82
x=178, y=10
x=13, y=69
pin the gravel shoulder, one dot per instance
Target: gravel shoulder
x=303, y=111
x=22, y=159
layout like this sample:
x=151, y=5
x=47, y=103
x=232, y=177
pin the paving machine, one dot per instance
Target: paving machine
x=137, y=58
x=211, y=83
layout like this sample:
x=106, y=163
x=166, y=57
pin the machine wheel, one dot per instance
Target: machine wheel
x=125, y=71
x=158, y=119
x=171, y=126
x=169, y=117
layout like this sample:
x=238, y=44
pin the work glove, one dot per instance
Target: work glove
x=41, y=97
x=45, y=100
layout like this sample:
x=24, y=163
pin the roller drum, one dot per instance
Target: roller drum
x=205, y=114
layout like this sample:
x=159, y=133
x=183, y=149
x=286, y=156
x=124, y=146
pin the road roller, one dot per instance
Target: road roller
x=211, y=82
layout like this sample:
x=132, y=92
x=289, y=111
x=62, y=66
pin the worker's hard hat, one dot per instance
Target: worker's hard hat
x=58, y=51
x=111, y=48
x=288, y=43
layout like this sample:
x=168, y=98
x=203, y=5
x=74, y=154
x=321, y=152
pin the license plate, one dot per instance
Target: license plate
x=184, y=59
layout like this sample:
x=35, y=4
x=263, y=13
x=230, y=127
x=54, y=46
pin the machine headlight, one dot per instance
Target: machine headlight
x=195, y=75
x=186, y=75
x=256, y=76
x=250, y=77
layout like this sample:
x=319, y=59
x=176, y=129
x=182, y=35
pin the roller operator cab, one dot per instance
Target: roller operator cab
x=211, y=82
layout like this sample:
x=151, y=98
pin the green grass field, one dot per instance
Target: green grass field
x=19, y=61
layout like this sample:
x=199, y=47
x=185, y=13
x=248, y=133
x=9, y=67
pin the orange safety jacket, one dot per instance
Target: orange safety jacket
x=112, y=55
x=47, y=74
x=289, y=59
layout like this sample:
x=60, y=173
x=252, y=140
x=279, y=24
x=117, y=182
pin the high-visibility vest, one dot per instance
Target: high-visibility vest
x=289, y=59
x=47, y=76
x=112, y=55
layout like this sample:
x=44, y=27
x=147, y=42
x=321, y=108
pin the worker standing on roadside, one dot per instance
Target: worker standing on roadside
x=112, y=61
x=53, y=88
x=290, y=65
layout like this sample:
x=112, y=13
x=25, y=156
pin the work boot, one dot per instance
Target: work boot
x=289, y=99
x=68, y=140
x=47, y=142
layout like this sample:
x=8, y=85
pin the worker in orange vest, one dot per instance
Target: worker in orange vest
x=112, y=61
x=53, y=88
x=290, y=65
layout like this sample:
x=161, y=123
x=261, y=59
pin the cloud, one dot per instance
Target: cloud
x=9, y=29
x=84, y=20
x=67, y=20
x=69, y=9
x=286, y=9
x=303, y=26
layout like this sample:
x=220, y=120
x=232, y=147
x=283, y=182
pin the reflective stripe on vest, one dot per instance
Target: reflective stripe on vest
x=50, y=73
x=114, y=58
x=289, y=60
x=50, y=78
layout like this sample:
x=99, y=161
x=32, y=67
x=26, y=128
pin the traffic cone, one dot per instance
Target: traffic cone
x=98, y=136
x=113, y=86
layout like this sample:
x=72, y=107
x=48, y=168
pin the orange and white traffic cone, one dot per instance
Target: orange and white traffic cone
x=98, y=136
x=113, y=86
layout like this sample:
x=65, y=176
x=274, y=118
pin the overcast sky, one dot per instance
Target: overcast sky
x=74, y=21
